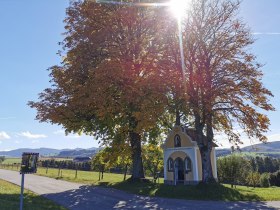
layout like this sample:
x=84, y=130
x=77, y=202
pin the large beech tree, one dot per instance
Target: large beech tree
x=223, y=78
x=109, y=84
x=121, y=73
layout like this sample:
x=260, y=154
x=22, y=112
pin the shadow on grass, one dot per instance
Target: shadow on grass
x=105, y=198
x=31, y=201
x=216, y=192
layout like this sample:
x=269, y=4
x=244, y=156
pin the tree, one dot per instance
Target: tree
x=275, y=179
x=109, y=84
x=233, y=169
x=254, y=178
x=224, y=84
x=153, y=159
x=264, y=180
x=260, y=164
x=101, y=161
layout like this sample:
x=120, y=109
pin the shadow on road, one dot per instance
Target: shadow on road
x=91, y=197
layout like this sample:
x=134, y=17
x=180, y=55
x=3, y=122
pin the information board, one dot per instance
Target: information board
x=29, y=163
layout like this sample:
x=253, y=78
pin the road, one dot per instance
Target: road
x=84, y=197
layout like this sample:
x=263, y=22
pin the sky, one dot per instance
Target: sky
x=29, y=35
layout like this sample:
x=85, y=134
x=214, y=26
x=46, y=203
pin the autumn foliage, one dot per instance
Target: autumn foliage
x=121, y=76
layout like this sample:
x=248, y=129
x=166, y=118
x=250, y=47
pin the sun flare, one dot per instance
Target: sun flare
x=179, y=7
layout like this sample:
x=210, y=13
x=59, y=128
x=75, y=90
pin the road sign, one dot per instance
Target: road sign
x=28, y=166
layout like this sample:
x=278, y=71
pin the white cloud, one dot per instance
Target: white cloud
x=274, y=137
x=59, y=132
x=4, y=135
x=29, y=135
x=223, y=142
x=6, y=150
x=7, y=118
x=73, y=136
x=35, y=141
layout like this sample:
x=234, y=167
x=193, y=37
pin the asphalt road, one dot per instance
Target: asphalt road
x=83, y=197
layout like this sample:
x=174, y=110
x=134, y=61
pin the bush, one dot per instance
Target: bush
x=264, y=180
x=275, y=179
x=2, y=158
x=253, y=179
x=233, y=170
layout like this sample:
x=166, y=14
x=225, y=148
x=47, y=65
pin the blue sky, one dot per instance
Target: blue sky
x=30, y=31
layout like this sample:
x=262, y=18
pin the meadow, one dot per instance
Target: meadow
x=9, y=199
x=11, y=161
x=198, y=192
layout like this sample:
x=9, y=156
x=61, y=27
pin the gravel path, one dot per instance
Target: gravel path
x=83, y=197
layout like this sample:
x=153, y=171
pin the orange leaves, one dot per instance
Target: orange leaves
x=223, y=78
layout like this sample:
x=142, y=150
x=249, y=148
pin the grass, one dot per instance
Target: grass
x=9, y=199
x=199, y=192
x=11, y=160
x=55, y=158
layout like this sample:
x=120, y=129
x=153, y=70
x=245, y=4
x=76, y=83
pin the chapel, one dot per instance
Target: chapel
x=182, y=159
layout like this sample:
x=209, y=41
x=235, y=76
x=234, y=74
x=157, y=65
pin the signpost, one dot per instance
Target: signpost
x=28, y=166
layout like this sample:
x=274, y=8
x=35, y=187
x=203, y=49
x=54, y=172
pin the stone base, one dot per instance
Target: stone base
x=168, y=182
x=171, y=182
x=191, y=182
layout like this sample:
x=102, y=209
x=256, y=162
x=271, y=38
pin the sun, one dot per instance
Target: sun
x=179, y=7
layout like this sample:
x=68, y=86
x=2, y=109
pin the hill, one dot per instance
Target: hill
x=263, y=147
x=52, y=152
x=271, y=149
x=78, y=152
x=42, y=151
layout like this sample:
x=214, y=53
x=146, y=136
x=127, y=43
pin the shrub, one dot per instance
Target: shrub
x=233, y=169
x=253, y=179
x=275, y=179
x=264, y=180
x=2, y=158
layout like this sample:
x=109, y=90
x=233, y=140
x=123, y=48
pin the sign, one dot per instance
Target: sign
x=29, y=163
x=28, y=166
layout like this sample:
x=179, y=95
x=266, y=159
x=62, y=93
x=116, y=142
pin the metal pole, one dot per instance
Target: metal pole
x=21, y=191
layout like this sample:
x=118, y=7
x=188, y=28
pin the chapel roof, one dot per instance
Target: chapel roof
x=191, y=133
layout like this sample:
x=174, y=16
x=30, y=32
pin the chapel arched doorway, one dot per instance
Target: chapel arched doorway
x=179, y=170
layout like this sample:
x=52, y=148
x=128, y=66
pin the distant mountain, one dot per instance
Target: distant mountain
x=222, y=152
x=41, y=151
x=271, y=149
x=79, y=152
x=52, y=152
x=263, y=147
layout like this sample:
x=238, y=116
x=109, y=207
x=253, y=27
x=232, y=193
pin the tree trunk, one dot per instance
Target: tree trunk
x=178, y=118
x=125, y=171
x=207, y=174
x=205, y=149
x=137, y=163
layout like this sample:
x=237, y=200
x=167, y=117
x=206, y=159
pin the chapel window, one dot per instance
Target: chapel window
x=177, y=141
x=170, y=164
x=188, y=165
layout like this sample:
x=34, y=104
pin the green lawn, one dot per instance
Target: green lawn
x=87, y=177
x=9, y=199
x=199, y=192
x=12, y=160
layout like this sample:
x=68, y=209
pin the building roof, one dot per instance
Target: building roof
x=191, y=133
x=81, y=159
